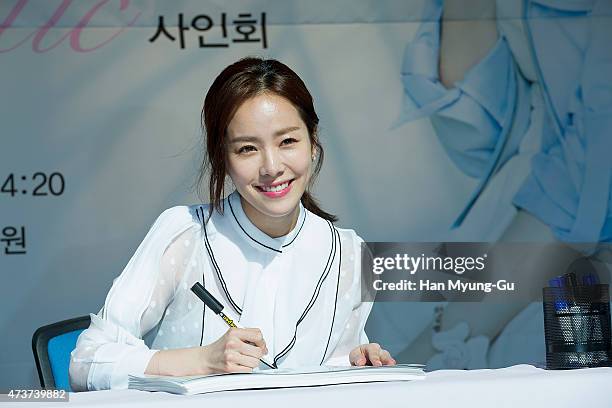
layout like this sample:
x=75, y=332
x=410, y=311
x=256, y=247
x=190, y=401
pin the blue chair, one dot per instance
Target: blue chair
x=52, y=345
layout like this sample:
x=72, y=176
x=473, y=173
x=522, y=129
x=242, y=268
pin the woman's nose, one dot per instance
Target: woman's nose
x=271, y=165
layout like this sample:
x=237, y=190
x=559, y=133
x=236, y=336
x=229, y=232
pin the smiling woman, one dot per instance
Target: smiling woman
x=267, y=251
x=271, y=169
x=255, y=102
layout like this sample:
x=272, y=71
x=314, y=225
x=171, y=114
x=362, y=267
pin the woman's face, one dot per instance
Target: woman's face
x=270, y=159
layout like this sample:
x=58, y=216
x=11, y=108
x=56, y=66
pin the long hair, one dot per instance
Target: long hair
x=237, y=83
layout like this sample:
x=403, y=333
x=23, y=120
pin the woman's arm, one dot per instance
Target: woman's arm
x=237, y=351
x=468, y=33
x=112, y=347
x=354, y=347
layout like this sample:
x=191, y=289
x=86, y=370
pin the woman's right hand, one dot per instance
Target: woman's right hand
x=237, y=351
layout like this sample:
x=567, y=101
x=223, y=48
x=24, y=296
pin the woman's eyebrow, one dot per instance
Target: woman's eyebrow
x=239, y=139
x=253, y=139
x=283, y=131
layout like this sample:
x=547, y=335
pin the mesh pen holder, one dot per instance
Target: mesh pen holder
x=577, y=326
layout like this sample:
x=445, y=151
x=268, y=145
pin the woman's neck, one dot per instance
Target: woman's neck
x=272, y=226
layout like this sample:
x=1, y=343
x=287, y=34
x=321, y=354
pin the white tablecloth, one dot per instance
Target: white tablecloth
x=519, y=386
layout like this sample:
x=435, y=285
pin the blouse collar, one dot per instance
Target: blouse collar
x=255, y=235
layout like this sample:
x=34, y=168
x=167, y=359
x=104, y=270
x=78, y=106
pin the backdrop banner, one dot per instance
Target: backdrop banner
x=100, y=122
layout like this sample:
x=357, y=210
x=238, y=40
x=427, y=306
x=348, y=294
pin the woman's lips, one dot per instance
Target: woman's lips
x=277, y=194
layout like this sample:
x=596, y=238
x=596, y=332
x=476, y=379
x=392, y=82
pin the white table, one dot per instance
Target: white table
x=519, y=386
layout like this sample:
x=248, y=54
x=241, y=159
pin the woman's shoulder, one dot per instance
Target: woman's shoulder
x=181, y=218
x=178, y=225
x=347, y=236
x=181, y=214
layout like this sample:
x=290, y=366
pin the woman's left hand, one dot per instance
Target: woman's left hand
x=370, y=354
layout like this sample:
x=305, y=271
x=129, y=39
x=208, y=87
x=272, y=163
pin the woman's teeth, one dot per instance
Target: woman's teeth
x=275, y=188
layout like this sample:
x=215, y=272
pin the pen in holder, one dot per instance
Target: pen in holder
x=577, y=326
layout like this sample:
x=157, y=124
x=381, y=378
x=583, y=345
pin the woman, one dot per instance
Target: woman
x=268, y=252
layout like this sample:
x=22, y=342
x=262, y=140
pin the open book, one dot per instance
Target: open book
x=280, y=378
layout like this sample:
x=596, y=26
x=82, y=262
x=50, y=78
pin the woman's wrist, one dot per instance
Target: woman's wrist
x=152, y=368
x=179, y=362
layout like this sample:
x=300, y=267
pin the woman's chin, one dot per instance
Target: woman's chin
x=271, y=205
x=279, y=210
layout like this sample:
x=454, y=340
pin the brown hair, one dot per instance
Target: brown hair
x=237, y=83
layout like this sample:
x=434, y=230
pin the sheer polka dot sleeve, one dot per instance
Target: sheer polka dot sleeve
x=350, y=327
x=113, y=346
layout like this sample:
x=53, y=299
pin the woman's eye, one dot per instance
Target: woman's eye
x=246, y=149
x=288, y=141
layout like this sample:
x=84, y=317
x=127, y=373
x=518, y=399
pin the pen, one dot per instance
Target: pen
x=576, y=316
x=562, y=308
x=594, y=314
x=217, y=308
x=561, y=304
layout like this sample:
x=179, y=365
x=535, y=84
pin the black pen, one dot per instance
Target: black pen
x=217, y=308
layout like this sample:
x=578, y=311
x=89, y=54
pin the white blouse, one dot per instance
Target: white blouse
x=302, y=290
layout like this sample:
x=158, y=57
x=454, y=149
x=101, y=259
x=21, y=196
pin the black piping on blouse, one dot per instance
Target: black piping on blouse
x=260, y=243
x=211, y=255
x=331, y=327
x=315, y=295
x=335, y=235
x=201, y=219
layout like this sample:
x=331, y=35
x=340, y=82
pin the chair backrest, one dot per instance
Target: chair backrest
x=52, y=345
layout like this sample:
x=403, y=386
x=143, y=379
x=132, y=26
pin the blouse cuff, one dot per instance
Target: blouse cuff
x=121, y=353
x=114, y=362
x=134, y=362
